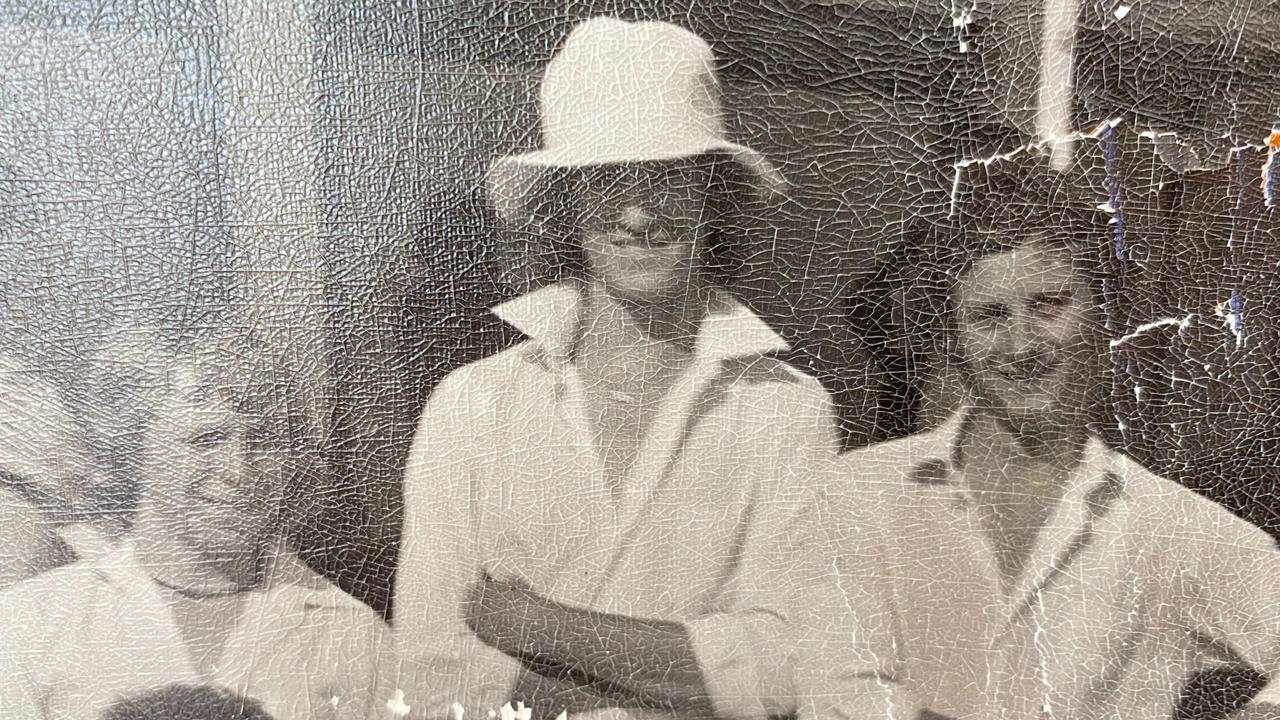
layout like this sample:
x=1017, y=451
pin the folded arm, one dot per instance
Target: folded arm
x=649, y=663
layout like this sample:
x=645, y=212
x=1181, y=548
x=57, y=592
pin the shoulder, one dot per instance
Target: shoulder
x=1181, y=521
x=896, y=487
x=768, y=368
x=468, y=401
x=486, y=376
x=777, y=386
x=311, y=594
x=70, y=581
x=897, y=462
x=38, y=610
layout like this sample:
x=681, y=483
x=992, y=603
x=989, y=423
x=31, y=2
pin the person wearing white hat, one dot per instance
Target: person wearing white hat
x=614, y=516
x=1033, y=571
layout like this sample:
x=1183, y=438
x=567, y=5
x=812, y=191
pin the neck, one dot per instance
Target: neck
x=673, y=322
x=199, y=572
x=997, y=440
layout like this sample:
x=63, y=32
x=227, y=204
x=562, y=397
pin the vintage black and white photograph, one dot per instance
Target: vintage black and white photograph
x=630, y=359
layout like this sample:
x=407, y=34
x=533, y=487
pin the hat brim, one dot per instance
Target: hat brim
x=512, y=179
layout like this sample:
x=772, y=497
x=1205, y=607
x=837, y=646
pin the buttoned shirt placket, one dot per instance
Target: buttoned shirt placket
x=1092, y=490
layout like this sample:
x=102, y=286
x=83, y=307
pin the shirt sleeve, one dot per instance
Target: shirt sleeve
x=22, y=643
x=1227, y=587
x=440, y=660
x=790, y=641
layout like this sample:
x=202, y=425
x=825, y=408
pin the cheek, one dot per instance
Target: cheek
x=271, y=481
x=166, y=474
x=977, y=345
x=1069, y=332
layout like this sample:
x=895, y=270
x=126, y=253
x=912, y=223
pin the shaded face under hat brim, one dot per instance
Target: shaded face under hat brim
x=512, y=179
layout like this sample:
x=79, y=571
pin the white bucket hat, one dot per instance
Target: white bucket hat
x=621, y=92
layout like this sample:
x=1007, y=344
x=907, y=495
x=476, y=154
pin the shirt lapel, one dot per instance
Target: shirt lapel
x=142, y=621
x=730, y=331
x=550, y=318
x=273, y=654
x=1092, y=491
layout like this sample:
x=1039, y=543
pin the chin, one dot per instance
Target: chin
x=639, y=292
x=1042, y=415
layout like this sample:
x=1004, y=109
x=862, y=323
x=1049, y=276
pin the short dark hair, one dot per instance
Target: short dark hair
x=187, y=702
x=1001, y=204
x=546, y=248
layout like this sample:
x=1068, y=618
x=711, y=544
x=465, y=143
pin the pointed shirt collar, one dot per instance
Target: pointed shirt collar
x=1091, y=493
x=941, y=448
x=550, y=318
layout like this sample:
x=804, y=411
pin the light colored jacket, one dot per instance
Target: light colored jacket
x=1134, y=584
x=77, y=639
x=713, y=528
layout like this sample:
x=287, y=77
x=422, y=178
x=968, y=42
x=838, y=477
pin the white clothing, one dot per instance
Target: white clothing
x=712, y=528
x=79, y=638
x=1134, y=584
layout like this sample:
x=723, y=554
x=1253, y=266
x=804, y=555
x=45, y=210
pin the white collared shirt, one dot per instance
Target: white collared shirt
x=710, y=529
x=1134, y=584
x=78, y=639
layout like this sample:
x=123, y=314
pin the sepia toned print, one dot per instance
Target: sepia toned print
x=468, y=360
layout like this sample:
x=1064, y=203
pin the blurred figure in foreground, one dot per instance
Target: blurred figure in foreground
x=45, y=479
x=206, y=441
x=187, y=702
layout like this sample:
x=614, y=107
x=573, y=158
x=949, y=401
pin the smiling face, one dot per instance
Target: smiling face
x=645, y=227
x=1023, y=317
x=211, y=480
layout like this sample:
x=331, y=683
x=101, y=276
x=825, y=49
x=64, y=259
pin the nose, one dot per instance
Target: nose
x=1024, y=340
x=232, y=478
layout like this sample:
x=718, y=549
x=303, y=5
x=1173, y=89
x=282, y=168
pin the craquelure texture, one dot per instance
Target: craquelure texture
x=245, y=239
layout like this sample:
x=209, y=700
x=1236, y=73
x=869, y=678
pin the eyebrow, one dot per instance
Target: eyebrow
x=991, y=306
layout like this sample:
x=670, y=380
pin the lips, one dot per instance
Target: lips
x=218, y=494
x=1023, y=371
x=652, y=240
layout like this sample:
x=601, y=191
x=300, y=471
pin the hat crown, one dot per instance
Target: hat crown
x=631, y=89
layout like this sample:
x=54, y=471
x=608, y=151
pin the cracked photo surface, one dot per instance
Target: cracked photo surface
x=621, y=359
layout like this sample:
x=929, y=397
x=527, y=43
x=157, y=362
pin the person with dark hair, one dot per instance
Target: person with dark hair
x=206, y=450
x=186, y=702
x=1032, y=570
x=614, y=517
